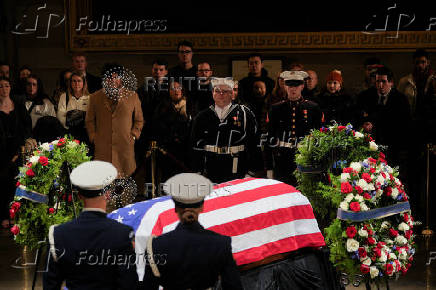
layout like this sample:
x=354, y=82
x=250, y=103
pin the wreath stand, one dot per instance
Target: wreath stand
x=65, y=173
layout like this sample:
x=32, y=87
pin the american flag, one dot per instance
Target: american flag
x=263, y=217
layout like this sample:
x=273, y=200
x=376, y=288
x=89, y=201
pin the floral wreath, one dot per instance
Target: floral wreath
x=43, y=197
x=326, y=151
x=373, y=234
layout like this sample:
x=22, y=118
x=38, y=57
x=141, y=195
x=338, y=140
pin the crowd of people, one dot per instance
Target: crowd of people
x=219, y=127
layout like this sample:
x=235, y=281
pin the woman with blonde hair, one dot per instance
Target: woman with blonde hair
x=73, y=105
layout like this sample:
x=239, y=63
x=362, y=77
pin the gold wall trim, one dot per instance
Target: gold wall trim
x=240, y=42
x=164, y=43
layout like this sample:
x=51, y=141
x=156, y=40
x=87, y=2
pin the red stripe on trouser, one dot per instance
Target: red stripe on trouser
x=168, y=217
x=264, y=220
x=282, y=246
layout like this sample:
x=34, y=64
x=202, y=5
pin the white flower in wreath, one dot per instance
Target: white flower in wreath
x=389, y=242
x=362, y=183
x=403, y=227
x=395, y=193
x=358, y=135
x=373, y=271
x=392, y=256
x=359, y=198
x=45, y=146
x=344, y=205
x=34, y=159
x=349, y=197
x=383, y=257
x=397, y=181
x=402, y=255
x=380, y=179
x=345, y=177
x=379, y=193
x=389, y=169
x=352, y=245
x=373, y=146
x=400, y=240
x=363, y=207
x=385, y=225
x=370, y=187
x=363, y=233
x=55, y=142
x=72, y=144
x=356, y=166
x=366, y=261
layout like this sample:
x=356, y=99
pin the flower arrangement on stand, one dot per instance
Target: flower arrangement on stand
x=326, y=151
x=43, y=197
x=373, y=232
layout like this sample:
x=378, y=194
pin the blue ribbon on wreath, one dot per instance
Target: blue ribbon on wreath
x=373, y=213
x=31, y=195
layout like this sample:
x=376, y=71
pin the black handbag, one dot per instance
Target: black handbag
x=75, y=118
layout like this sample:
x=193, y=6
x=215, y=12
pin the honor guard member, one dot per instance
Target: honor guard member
x=190, y=257
x=289, y=122
x=224, y=136
x=92, y=251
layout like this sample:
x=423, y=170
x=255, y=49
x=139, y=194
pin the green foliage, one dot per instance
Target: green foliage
x=46, y=174
x=321, y=150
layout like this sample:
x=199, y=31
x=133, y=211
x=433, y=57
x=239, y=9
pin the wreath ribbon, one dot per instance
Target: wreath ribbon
x=377, y=213
x=30, y=195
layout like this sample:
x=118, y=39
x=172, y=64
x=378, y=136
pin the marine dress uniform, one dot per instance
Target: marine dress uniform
x=224, y=140
x=289, y=122
x=190, y=257
x=92, y=251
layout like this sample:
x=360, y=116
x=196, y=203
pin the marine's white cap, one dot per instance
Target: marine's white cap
x=188, y=189
x=93, y=176
x=297, y=75
x=223, y=81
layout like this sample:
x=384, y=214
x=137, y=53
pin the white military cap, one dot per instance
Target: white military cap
x=92, y=176
x=188, y=189
x=223, y=81
x=298, y=75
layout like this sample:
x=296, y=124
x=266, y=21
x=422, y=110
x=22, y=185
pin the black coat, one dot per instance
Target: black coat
x=246, y=85
x=79, y=243
x=335, y=107
x=238, y=128
x=391, y=122
x=191, y=257
x=93, y=82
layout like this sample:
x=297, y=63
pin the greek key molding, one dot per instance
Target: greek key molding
x=210, y=42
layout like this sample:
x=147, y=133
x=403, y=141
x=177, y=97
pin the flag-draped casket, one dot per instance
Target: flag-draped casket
x=264, y=217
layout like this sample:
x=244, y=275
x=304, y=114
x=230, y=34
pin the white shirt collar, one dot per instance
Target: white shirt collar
x=222, y=112
x=93, y=209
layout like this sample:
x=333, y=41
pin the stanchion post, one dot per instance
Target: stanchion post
x=427, y=232
x=153, y=168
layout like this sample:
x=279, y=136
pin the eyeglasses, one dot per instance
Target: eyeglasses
x=185, y=51
x=222, y=92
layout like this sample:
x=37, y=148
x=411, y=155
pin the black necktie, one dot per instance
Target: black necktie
x=382, y=100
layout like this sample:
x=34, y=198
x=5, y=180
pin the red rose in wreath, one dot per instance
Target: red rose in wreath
x=351, y=232
x=355, y=206
x=43, y=160
x=346, y=187
x=30, y=173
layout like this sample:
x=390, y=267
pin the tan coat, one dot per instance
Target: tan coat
x=112, y=133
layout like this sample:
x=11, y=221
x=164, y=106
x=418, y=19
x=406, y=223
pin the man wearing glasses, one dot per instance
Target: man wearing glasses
x=184, y=69
x=201, y=96
x=224, y=136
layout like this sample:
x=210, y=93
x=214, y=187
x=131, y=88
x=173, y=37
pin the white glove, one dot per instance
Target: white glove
x=270, y=174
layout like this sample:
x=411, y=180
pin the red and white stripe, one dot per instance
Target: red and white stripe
x=263, y=217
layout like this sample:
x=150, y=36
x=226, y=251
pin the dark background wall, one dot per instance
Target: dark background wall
x=48, y=56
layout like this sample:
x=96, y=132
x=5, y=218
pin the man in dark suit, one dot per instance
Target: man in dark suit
x=80, y=64
x=92, y=251
x=289, y=122
x=190, y=257
x=386, y=115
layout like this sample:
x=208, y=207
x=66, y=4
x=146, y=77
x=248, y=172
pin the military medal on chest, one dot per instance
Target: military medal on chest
x=236, y=121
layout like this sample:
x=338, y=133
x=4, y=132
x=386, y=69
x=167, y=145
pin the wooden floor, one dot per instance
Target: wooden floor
x=12, y=276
